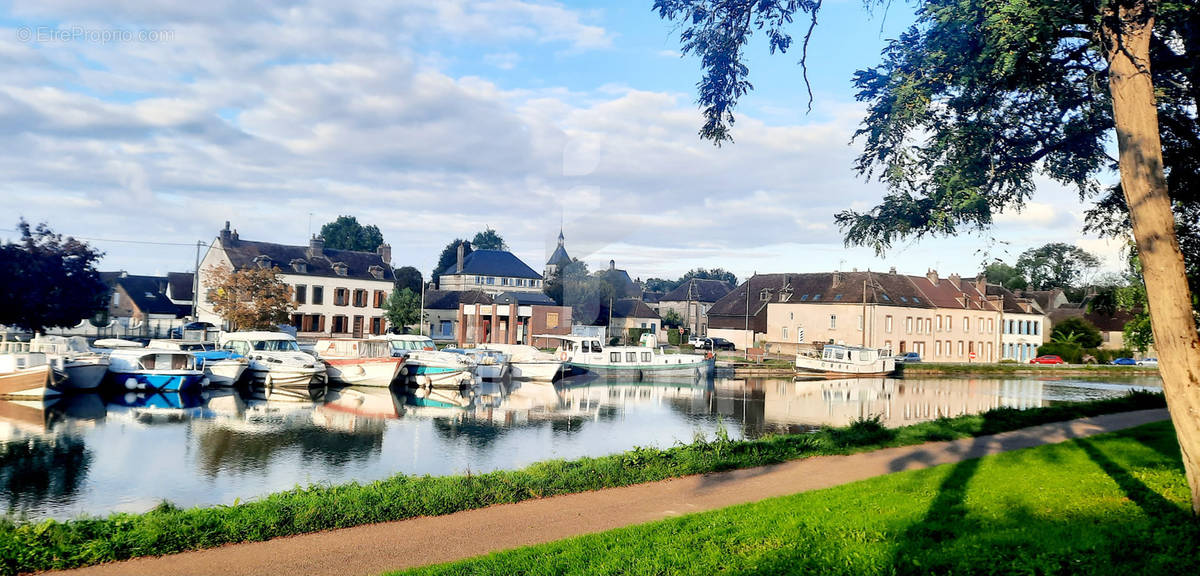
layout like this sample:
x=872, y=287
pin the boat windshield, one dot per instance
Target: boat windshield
x=276, y=346
x=426, y=344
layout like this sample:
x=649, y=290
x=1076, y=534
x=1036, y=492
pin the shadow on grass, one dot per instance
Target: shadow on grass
x=1151, y=502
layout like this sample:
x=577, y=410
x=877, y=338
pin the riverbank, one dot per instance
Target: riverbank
x=1015, y=369
x=1110, y=504
x=45, y=545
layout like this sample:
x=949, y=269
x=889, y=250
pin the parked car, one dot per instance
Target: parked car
x=1148, y=362
x=696, y=341
x=1124, y=361
x=909, y=358
x=1047, y=359
x=177, y=332
x=716, y=344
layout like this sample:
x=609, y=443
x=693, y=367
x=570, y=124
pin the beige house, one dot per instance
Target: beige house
x=692, y=300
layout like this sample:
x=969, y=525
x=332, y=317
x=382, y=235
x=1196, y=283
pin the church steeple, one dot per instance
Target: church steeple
x=559, y=258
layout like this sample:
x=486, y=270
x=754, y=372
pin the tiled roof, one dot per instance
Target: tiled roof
x=449, y=300
x=699, y=290
x=180, y=285
x=492, y=263
x=1103, y=322
x=243, y=254
x=149, y=294
x=952, y=292
x=632, y=308
x=1012, y=303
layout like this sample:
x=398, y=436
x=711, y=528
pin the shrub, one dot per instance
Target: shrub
x=1068, y=351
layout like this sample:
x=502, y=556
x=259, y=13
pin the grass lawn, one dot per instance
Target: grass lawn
x=1112, y=504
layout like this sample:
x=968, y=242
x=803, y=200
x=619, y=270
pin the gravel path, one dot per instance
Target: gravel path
x=376, y=548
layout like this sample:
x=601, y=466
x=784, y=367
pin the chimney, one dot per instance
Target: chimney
x=892, y=270
x=981, y=283
x=235, y=234
x=932, y=276
x=226, y=235
x=955, y=281
x=385, y=253
x=316, y=247
x=458, y=267
x=612, y=264
x=837, y=279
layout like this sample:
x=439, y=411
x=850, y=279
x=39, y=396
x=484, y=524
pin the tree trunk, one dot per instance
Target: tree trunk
x=1126, y=29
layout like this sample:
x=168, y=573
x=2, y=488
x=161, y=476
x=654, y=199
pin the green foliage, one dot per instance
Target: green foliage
x=1070, y=352
x=47, y=281
x=1106, y=356
x=1076, y=330
x=346, y=233
x=403, y=309
x=715, y=274
x=1055, y=265
x=51, y=544
x=634, y=335
x=660, y=285
x=568, y=283
x=671, y=318
x=449, y=257
x=1112, y=505
x=488, y=239
x=1000, y=273
x=408, y=277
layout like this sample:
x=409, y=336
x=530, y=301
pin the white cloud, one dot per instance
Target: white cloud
x=503, y=60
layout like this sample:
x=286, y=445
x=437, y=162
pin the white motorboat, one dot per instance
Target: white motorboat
x=359, y=362
x=84, y=368
x=527, y=362
x=836, y=360
x=489, y=364
x=275, y=358
x=425, y=366
x=585, y=353
x=221, y=367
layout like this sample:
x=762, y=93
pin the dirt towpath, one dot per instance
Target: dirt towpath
x=376, y=548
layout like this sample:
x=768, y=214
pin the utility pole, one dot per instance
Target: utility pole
x=421, y=321
x=196, y=280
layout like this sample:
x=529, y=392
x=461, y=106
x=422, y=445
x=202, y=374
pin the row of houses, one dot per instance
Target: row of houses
x=490, y=296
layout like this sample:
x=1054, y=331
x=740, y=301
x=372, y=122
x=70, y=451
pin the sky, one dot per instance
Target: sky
x=143, y=126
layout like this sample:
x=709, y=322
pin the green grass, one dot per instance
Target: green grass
x=33, y=546
x=1113, y=504
x=1026, y=368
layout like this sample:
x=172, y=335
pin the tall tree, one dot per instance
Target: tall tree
x=1055, y=265
x=566, y=285
x=488, y=239
x=403, y=309
x=661, y=285
x=48, y=281
x=251, y=299
x=999, y=272
x=408, y=277
x=346, y=233
x=449, y=256
x=715, y=274
x=976, y=98
x=1076, y=330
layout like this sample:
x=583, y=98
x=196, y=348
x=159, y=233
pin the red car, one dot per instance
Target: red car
x=1048, y=359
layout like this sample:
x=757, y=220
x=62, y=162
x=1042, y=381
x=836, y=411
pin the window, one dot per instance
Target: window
x=783, y=332
x=646, y=357
x=837, y=296
x=341, y=325
x=380, y=298
x=860, y=323
x=991, y=326
x=791, y=315
x=938, y=348
x=804, y=297
x=301, y=293
x=310, y=322
x=908, y=325
x=377, y=326
x=966, y=324
x=885, y=297
x=630, y=357
x=478, y=280
x=918, y=301
x=960, y=347
x=491, y=280
x=816, y=297
x=318, y=295
x=586, y=347
x=887, y=323
x=949, y=323
x=980, y=322
x=360, y=298
x=341, y=297
x=833, y=321
x=1036, y=327
x=116, y=299
x=614, y=357
x=939, y=322
x=903, y=299
x=552, y=319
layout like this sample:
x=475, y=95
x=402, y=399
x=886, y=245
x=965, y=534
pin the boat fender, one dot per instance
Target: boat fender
x=562, y=355
x=425, y=380
x=131, y=384
x=404, y=370
x=421, y=392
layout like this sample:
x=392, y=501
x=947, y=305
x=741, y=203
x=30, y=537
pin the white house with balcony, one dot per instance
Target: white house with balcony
x=336, y=292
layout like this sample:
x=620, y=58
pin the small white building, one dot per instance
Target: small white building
x=337, y=292
x=1022, y=325
x=489, y=271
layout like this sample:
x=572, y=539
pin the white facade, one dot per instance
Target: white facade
x=491, y=285
x=1021, y=335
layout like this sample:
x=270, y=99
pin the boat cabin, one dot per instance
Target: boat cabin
x=839, y=353
x=353, y=348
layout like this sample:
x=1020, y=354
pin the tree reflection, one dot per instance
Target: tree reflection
x=37, y=470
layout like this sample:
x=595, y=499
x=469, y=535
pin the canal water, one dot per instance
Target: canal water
x=95, y=454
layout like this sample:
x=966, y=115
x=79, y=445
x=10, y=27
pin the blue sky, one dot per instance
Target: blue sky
x=157, y=122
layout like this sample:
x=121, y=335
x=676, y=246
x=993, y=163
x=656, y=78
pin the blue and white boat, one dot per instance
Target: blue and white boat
x=427, y=367
x=221, y=367
x=154, y=369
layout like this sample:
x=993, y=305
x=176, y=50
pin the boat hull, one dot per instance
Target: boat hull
x=535, y=370
x=34, y=382
x=364, y=372
x=817, y=367
x=281, y=376
x=647, y=371
x=84, y=375
x=168, y=381
x=224, y=372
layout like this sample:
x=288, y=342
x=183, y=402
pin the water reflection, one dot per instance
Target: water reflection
x=126, y=452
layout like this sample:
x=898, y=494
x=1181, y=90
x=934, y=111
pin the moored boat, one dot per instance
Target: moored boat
x=275, y=358
x=27, y=376
x=84, y=368
x=359, y=362
x=425, y=366
x=835, y=360
x=154, y=369
x=221, y=367
x=586, y=354
x=527, y=362
x=489, y=364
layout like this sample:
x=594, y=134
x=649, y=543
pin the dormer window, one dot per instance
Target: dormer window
x=376, y=272
x=340, y=268
x=300, y=265
x=764, y=294
x=262, y=261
